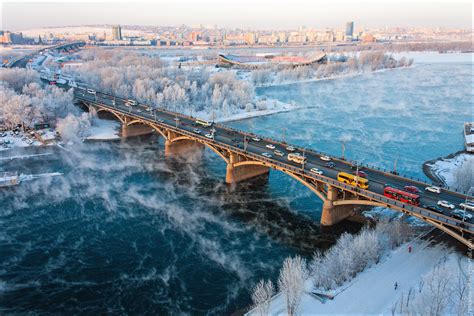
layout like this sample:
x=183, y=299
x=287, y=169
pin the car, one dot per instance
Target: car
x=184, y=124
x=270, y=146
x=176, y=118
x=149, y=109
x=278, y=153
x=446, y=204
x=290, y=148
x=467, y=205
x=330, y=164
x=316, y=171
x=197, y=131
x=267, y=155
x=434, y=208
x=160, y=120
x=325, y=158
x=210, y=136
x=361, y=174
x=411, y=189
x=461, y=214
x=433, y=189
x=256, y=139
x=139, y=111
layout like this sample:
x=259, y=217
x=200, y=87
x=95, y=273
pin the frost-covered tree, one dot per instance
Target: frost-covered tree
x=73, y=127
x=291, y=282
x=261, y=297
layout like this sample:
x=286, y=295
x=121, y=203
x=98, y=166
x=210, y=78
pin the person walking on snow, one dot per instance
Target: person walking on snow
x=396, y=285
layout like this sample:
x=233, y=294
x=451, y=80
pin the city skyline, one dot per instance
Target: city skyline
x=263, y=15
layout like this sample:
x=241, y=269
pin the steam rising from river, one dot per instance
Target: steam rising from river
x=151, y=224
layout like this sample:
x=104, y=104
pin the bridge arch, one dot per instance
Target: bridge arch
x=359, y=202
x=208, y=145
x=294, y=176
x=100, y=109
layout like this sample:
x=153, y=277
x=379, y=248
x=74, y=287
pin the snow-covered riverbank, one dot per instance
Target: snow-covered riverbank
x=373, y=291
x=453, y=171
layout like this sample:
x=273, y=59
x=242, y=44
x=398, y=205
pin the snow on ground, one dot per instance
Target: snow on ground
x=435, y=57
x=21, y=140
x=263, y=107
x=445, y=169
x=103, y=130
x=372, y=291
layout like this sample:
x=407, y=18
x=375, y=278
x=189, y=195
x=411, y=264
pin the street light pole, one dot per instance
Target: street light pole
x=468, y=194
x=304, y=159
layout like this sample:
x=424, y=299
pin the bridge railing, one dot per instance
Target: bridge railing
x=374, y=196
x=347, y=161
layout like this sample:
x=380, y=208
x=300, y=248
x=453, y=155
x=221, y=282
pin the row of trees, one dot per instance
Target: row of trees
x=26, y=100
x=148, y=79
x=362, y=62
x=349, y=256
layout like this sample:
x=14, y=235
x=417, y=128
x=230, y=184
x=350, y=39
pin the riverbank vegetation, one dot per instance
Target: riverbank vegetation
x=338, y=65
x=328, y=271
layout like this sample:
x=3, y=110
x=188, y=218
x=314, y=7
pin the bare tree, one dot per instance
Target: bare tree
x=261, y=297
x=291, y=282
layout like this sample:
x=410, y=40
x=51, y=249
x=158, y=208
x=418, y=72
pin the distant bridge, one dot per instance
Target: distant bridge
x=21, y=61
x=243, y=154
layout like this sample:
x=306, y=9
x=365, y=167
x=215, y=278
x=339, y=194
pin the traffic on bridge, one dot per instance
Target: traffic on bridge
x=339, y=183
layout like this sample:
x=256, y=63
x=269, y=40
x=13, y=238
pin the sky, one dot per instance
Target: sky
x=262, y=14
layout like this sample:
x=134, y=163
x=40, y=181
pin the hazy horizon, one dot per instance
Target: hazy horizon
x=20, y=16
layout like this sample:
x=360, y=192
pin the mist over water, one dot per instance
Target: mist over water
x=125, y=230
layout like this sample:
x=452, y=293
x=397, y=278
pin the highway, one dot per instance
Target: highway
x=239, y=140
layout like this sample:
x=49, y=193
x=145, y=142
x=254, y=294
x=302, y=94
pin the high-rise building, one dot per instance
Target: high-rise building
x=116, y=33
x=349, y=30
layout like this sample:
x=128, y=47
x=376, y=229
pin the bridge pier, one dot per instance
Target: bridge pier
x=236, y=174
x=333, y=214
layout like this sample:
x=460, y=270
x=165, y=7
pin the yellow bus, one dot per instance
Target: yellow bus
x=203, y=122
x=353, y=180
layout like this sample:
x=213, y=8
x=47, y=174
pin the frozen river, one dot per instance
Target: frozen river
x=125, y=231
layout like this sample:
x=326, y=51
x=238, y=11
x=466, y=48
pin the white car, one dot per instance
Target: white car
x=256, y=139
x=467, y=206
x=278, y=153
x=325, y=158
x=270, y=146
x=290, y=148
x=139, y=111
x=446, y=204
x=461, y=214
x=160, y=120
x=316, y=171
x=176, y=118
x=266, y=155
x=433, y=189
x=197, y=131
x=210, y=136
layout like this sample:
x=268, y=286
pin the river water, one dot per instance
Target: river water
x=126, y=231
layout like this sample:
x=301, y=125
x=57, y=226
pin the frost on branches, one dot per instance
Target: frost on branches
x=149, y=80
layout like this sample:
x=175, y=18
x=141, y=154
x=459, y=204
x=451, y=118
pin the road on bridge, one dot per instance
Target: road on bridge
x=259, y=145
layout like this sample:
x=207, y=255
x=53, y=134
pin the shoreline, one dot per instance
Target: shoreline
x=427, y=167
x=347, y=75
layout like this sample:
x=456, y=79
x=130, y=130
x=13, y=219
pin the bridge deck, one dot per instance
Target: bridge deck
x=232, y=140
